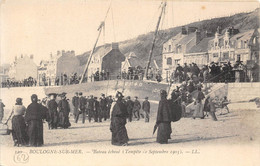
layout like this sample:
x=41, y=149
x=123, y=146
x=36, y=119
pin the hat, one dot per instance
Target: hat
x=52, y=94
x=128, y=97
x=76, y=93
x=146, y=97
x=80, y=93
x=136, y=97
x=119, y=95
x=62, y=94
x=102, y=94
x=163, y=93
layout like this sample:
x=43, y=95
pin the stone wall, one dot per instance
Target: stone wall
x=243, y=91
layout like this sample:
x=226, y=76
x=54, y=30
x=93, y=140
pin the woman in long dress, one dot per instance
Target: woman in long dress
x=19, y=134
x=34, y=117
x=198, y=113
x=163, y=121
x=118, y=122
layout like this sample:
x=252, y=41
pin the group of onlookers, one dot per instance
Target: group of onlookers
x=25, y=83
x=215, y=72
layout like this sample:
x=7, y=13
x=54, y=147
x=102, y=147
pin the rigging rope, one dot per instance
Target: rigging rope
x=113, y=24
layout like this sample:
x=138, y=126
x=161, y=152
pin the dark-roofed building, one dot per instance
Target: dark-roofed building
x=133, y=61
x=107, y=58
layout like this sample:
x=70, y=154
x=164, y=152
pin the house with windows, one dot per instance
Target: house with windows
x=22, y=68
x=176, y=47
x=202, y=49
x=234, y=46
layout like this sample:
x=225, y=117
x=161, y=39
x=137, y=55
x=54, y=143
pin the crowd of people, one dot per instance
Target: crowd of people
x=27, y=123
x=28, y=82
x=138, y=74
x=215, y=72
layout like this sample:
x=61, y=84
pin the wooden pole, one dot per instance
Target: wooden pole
x=154, y=38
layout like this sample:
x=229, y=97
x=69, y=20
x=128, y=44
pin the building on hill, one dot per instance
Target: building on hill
x=132, y=61
x=4, y=70
x=48, y=68
x=23, y=68
x=175, y=48
x=107, y=59
x=198, y=53
x=67, y=64
x=233, y=46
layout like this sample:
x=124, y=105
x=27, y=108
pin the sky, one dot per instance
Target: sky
x=41, y=27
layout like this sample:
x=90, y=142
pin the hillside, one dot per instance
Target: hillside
x=141, y=45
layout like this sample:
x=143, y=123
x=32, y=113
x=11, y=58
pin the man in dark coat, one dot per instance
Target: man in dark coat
x=1, y=110
x=129, y=107
x=103, y=108
x=53, y=113
x=82, y=107
x=75, y=103
x=34, y=116
x=64, y=110
x=96, y=109
x=163, y=119
x=90, y=108
x=118, y=122
x=137, y=107
x=146, y=108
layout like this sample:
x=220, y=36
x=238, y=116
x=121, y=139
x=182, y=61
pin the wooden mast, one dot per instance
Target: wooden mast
x=154, y=38
x=91, y=54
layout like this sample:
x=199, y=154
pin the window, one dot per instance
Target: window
x=169, y=61
x=254, y=40
x=238, y=58
x=225, y=56
x=170, y=48
x=246, y=44
x=238, y=44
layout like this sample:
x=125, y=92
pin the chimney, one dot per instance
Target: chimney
x=31, y=56
x=15, y=58
x=232, y=31
x=58, y=53
x=72, y=52
x=198, y=36
x=191, y=29
x=115, y=46
x=21, y=55
x=183, y=30
x=63, y=52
